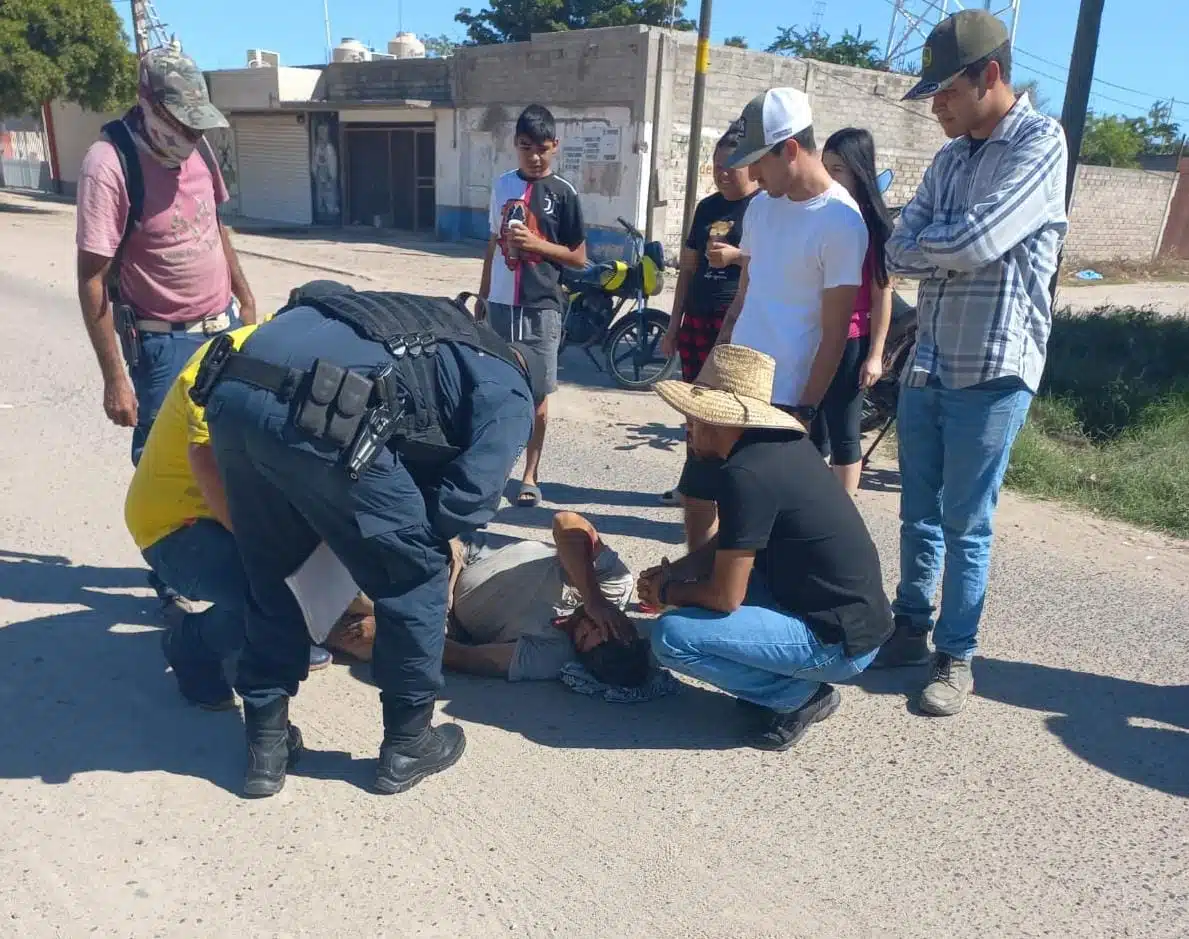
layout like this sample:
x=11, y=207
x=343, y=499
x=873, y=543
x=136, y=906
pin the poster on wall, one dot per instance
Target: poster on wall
x=325, y=186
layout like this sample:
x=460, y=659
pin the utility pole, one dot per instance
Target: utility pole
x=140, y=28
x=701, y=67
x=1077, y=97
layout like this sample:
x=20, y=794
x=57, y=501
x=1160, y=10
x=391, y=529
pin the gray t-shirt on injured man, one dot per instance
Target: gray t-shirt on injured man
x=511, y=591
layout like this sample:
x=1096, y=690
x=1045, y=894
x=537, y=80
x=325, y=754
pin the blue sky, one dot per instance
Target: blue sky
x=1136, y=52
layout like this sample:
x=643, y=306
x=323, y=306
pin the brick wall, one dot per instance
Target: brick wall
x=1118, y=214
x=579, y=69
x=387, y=80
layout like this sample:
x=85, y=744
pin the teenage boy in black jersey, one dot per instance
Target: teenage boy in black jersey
x=536, y=230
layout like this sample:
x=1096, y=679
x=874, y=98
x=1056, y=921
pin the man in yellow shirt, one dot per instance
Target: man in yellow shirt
x=176, y=511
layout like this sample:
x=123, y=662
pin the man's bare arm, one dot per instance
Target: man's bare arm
x=578, y=545
x=210, y=483
x=239, y=282
x=97, y=315
x=736, y=307
x=838, y=304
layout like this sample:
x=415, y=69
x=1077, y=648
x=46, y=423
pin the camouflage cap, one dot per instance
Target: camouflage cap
x=172, y=80
x=956, y=43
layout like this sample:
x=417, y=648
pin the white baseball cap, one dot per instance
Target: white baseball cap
x=777, y=115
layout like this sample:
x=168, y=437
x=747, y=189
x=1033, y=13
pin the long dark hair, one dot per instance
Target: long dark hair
x=855, y=147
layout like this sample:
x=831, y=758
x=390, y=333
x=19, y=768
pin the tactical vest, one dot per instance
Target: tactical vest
x=409, y=327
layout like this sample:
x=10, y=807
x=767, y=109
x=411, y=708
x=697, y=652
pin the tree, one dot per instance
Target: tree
x=439, y=47
x=517, y=20
x=735, y=42
x=71, y=49
x=1111, y=140
x=849, y=50
x=1160, y=133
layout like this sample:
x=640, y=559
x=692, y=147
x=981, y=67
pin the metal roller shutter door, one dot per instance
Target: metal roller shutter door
x=274, y=169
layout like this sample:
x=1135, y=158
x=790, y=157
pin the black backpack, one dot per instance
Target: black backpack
x=120, y=137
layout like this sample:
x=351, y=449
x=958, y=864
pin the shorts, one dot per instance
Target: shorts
x=696, y=337
x=539, y=330
x=699, y=477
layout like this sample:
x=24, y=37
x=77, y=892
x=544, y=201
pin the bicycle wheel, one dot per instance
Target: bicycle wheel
x=636, y=362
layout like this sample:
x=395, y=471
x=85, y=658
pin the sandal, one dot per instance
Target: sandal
x=529, y=497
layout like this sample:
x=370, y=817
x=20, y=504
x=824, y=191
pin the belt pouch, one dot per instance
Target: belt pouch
x=314, y=412
x=347, y=409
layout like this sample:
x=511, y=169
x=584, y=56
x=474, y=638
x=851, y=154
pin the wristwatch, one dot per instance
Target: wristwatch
x=804, y=412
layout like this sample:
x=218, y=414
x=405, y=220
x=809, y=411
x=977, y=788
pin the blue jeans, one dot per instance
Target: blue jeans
x=162, y=358
x=201, y=561
x=760, y=652
x=954, y=449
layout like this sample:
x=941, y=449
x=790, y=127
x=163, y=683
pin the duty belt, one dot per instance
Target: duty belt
x=355, y=413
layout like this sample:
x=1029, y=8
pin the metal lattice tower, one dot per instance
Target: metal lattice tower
x=819, y=10
x=148, y=28
x=912, y=20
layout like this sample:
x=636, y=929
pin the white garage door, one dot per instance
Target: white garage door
x=274, y=168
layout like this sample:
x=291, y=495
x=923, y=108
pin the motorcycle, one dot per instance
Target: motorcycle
x=606, y=307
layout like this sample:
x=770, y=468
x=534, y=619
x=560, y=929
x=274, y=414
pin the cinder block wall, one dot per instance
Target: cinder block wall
x=906, y=135
x=1118, y=214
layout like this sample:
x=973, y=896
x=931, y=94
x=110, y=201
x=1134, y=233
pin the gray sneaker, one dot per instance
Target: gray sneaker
x=950, y=683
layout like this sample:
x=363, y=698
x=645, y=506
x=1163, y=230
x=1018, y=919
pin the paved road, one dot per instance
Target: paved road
x=1056, y=806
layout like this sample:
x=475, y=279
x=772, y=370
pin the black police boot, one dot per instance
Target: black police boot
x=274, y=745
x=412, y=749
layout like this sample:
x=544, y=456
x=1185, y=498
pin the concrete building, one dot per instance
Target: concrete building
x=415, y=144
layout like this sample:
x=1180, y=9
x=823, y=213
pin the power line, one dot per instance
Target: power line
x=1096, y=81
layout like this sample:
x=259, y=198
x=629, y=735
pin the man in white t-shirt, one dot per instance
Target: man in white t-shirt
x=805, y=240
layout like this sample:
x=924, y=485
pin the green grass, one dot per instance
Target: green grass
x=1110, y=427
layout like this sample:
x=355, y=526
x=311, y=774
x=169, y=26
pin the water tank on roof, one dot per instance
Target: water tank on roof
x=406, y=46
x=350, y=50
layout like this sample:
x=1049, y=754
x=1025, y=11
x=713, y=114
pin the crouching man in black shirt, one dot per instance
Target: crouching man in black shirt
x=788, y=597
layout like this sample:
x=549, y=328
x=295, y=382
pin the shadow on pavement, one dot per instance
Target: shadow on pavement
x=627, y=526
x=655, y=435
x=563, y=494
x=880, y=480
x=17, y=208
x=86, y=690
x=549, y=714
x=1111, y=723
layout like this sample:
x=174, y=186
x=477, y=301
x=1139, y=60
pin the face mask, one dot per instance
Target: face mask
x=170, y=147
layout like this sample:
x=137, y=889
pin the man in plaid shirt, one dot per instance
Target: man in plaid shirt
x=982, y=234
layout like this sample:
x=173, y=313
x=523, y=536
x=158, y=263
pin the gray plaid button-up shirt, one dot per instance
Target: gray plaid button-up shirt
x=982, y=235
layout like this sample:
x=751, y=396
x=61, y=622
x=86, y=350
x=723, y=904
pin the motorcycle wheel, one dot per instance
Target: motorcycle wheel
x=636, y=366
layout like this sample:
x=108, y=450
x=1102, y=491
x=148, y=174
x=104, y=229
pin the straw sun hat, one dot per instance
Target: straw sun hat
x=734, y=389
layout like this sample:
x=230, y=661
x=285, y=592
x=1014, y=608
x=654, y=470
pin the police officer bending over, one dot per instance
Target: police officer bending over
x=384, y=424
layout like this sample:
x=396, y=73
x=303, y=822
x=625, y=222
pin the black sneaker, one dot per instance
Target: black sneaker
x=784, y=730
x=200, y=678
x=404, y=764
x=907, y=646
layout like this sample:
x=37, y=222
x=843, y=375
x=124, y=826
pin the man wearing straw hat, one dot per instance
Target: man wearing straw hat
x=788, y=597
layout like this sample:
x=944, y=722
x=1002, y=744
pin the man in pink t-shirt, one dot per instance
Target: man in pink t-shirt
x=177, y=272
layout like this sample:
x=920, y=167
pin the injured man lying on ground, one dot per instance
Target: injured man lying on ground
x=523, y=610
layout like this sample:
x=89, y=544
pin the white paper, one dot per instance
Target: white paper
x=323, y=589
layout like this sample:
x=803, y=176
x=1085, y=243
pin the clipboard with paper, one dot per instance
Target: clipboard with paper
x=323, y=589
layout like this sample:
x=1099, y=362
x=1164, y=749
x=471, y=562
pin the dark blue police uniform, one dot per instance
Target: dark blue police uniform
x=287, y=492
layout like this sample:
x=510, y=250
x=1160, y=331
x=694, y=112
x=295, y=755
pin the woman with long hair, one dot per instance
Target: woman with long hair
x=849, y=156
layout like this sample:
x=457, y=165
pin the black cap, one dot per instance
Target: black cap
x=956, y=43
